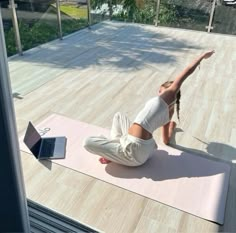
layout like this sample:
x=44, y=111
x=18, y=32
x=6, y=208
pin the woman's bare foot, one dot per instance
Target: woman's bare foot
x=104, y=161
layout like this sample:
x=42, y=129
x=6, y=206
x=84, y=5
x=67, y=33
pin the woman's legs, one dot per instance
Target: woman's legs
x=111, y=150
x=120, y=126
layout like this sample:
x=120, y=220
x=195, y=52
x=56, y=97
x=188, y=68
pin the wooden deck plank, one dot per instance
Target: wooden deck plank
x=113, y=67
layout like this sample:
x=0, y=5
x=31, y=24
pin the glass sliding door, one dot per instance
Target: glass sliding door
x=13, y=211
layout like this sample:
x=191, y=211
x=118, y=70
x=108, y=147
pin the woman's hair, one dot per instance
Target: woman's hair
x=166, y=85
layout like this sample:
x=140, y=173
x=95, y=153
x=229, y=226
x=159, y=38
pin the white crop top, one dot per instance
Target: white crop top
x=154, y=114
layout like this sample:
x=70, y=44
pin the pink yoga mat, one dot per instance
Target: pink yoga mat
x=182, y=180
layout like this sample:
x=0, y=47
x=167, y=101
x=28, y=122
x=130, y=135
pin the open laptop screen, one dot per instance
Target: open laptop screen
x=32, y=139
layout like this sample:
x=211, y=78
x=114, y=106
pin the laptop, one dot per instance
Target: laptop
x=44, y=147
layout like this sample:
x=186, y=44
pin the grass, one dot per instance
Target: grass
x=74, y=11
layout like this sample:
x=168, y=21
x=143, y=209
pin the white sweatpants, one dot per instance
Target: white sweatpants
x=121, y=148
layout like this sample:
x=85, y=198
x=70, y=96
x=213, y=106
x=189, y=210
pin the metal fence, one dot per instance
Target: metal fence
x=211, y=15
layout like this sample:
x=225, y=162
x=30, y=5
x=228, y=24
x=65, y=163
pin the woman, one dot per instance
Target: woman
x=132, y=144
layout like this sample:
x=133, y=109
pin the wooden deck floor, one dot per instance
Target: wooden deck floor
x=114, y=67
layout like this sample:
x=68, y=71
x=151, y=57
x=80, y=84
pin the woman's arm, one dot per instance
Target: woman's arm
x=170, y=93
x=189, y=70
x=167, y=129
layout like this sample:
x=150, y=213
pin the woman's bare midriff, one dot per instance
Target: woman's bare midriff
x=138, y=131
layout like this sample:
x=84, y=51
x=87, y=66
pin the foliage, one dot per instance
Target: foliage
x=172, y=13
x=69, y=26
x=10, y=42
x=39, y=33
x=140, y=11
x=168, y=14
x=146, y=13
x=98, y=3
x=184, y=17
x=131, y=8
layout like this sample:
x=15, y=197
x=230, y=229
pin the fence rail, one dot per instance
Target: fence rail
x=157, y=13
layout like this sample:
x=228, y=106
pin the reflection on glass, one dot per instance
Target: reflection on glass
x=8, y=28
x=74, y=15
x=224, y=20
x=101, y=10
x=137, y=11
x=185, y=14
x=38, y=21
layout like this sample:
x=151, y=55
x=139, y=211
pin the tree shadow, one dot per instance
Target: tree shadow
x=109, y=46
x=118, y=46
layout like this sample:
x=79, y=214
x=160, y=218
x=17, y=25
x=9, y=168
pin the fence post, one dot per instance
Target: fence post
x=13, y=7
x=157, y=12
x=110, y=9
x=59, y=18
x=89, y=13
x=209, y=27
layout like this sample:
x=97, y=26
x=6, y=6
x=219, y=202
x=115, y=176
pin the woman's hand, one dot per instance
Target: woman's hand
x=167, y=131
x=172, y=126
x=208, y=54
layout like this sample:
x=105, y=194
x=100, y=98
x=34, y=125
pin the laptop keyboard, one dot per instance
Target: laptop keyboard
x=47, y=149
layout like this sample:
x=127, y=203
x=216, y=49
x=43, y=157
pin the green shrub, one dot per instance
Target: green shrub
x=147, y=14
x=37, y=33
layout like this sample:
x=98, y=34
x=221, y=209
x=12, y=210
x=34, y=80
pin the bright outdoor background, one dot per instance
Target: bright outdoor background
x=38, y=19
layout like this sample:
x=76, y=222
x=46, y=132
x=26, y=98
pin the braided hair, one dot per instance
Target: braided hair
x=178, y=96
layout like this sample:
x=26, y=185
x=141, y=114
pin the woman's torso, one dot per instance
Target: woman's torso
x=138, y=131
x=154, y=114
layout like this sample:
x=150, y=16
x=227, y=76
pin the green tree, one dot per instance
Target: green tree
x=131, y=8
x=98, y=3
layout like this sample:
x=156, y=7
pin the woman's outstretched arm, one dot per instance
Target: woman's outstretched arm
x=169, y=94
x=189, y=70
